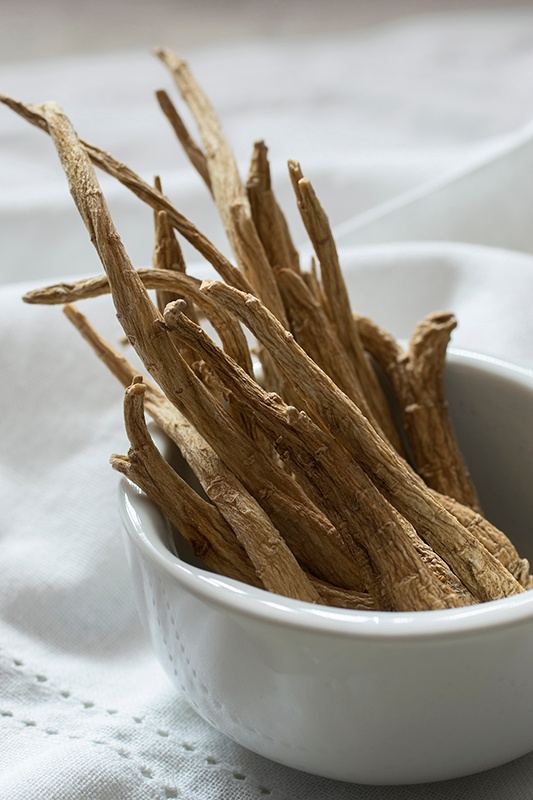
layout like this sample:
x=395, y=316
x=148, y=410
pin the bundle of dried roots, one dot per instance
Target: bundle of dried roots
x=310, y=488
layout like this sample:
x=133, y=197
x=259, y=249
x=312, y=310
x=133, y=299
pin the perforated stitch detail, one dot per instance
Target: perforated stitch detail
x=187, y=747
x=146, y=772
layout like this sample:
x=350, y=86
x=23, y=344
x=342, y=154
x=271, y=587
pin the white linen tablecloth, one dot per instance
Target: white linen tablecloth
x=418, y=137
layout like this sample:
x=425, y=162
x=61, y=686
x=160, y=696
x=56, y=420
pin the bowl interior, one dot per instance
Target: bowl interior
x=491, y=404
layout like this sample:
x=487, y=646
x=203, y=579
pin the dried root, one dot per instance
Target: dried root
x=417, y=379
x=305, y=487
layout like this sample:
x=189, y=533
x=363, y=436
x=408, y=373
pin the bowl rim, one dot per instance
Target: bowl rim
x=148, y=530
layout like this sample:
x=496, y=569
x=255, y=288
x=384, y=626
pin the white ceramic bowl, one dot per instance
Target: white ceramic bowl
x=377, y=698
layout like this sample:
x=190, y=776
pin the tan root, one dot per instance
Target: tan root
x=480, y=572
x=194, y=152
x=267, y=215
x=337, y=301
x=298, y=482
x=201, y=523
x=417, y=378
